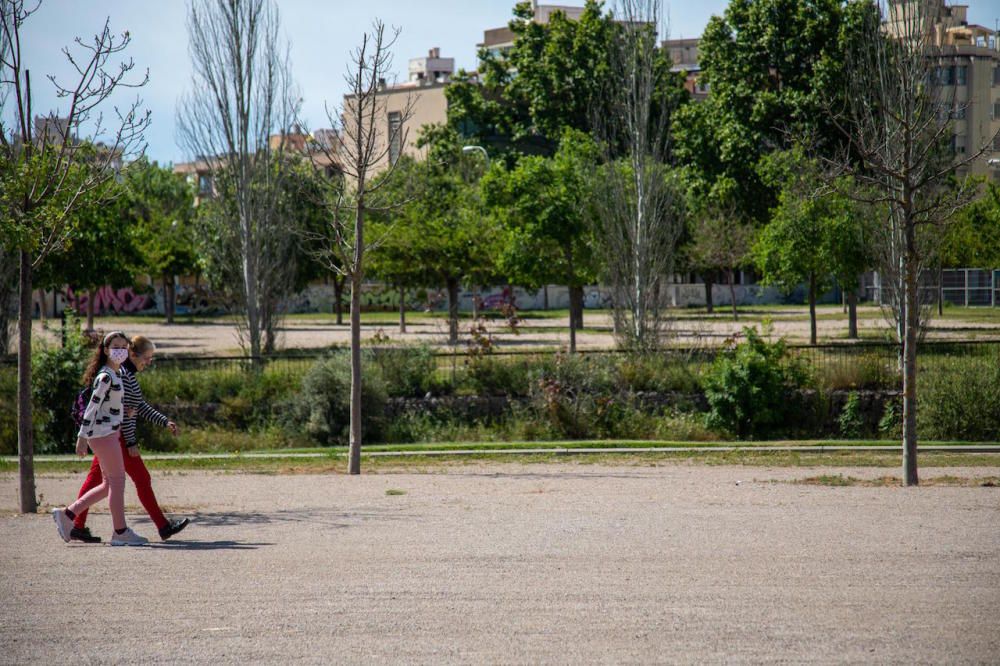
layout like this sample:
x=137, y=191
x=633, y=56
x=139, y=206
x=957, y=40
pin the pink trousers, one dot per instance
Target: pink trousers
x=109, y=453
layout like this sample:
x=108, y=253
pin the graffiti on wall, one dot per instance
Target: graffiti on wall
x=108, y=299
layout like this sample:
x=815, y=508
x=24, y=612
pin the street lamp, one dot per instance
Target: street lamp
x=477, y=149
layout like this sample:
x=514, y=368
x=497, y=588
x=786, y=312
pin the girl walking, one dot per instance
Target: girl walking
x=141, y=350
x=100, y=431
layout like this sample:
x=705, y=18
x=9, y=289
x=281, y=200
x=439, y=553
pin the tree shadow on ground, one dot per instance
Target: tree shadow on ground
x=180, y=544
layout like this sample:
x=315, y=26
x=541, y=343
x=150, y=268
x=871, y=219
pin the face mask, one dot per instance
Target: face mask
x=118, y=355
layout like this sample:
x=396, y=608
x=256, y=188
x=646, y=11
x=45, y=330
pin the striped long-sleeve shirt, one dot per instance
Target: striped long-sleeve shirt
x=135, y=400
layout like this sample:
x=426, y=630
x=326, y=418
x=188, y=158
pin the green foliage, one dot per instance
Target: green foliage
x=773, y=66
x=753, y=388
x=973, y=239
x=407, y=371
x=541, y=207
x=850, y=421
x=962, y=402
x=890, y=425
x=162, y=206
x=101, y=251
x=56, y=380
x=560, y=66
x=322, y=409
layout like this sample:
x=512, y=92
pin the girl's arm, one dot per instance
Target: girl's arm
x=102, y=384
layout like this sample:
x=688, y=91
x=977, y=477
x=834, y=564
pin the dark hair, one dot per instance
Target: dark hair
x=100, y=357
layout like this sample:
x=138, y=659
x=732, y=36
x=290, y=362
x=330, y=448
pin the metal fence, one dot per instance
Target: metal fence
x=874, y=362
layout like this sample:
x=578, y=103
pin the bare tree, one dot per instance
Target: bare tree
x=241, y=96
x=46, y=172
x=898, y=124
x=365, y=145
x=642, y=202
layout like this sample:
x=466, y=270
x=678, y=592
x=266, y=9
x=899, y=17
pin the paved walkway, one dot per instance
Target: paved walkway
x=567, y=563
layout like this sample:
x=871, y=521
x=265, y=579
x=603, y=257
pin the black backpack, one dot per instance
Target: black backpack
x=80, y=405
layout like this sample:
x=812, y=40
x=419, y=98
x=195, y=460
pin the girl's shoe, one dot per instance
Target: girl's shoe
x=64, y=524
x=173, y=527
x=83, y=534
x=128, y=538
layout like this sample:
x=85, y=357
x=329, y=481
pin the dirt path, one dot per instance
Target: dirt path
x=515, y=563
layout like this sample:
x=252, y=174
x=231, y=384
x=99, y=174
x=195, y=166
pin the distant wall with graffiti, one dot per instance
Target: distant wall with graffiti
x=108, y=300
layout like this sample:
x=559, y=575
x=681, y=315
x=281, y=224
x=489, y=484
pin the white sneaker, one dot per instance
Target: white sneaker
x=128, y=538
x=63, y=523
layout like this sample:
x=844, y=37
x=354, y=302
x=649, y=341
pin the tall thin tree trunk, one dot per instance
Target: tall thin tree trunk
x=940, y=291
x=25, y=442
x=852, y=315
x=402, y=309
x=475, y=302
x=354, y=455
x=338, y=298
x=41, y=305
x=732, y=293
x=709, y=281
x=812, y=308
x=452, y=310
x=91, y=297
x=910, y=476
x=545, y=297
x=168, y=298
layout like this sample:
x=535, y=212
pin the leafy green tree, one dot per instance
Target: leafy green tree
x=542, y=207
x=815, y=233
x=720, y=242
x=441, y=234
x=973, y=239
x=162, y=204
x=548, y=81
x=103, y=250
x=773, y=66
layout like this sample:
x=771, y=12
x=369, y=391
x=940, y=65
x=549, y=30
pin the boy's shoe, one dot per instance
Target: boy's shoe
x=63, y=523
x=83, y=534
x=172, y=527
x=128, y=538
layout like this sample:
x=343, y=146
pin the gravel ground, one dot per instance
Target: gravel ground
x=220, y=336
x=516, y=564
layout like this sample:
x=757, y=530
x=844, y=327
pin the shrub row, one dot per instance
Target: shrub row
x=755, y=389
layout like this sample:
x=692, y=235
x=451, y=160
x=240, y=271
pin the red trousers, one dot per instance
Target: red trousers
x=136, y=470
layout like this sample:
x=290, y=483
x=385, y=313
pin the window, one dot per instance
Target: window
x=961, y=75
x=395, y=135
x=996, y=76
x=946, y=76
x=204, y=184
x=996, y=110
x=996, y=144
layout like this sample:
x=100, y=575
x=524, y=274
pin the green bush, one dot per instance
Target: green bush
x=963, y=403
x=56, y=380
x=850, y=421
x=8, y=409
x=492, y=375
x=322, y=408
x=754, y=388
x=408, y=371
x=661, y=373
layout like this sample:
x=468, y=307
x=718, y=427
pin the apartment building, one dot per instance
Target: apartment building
x=684, y=56
x=969, y=68
x=497, y=41
x=422, y=93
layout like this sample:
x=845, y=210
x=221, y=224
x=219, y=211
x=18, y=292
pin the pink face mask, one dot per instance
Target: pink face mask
x=118, y=355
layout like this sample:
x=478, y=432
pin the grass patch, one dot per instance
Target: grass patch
x=393, y=492
x=839, y=480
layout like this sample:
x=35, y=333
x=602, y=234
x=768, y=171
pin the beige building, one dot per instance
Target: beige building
x=970, y=72
x=684, y=56
x=423, y=94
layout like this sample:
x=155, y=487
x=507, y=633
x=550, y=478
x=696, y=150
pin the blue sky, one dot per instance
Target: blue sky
x=322, y=34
